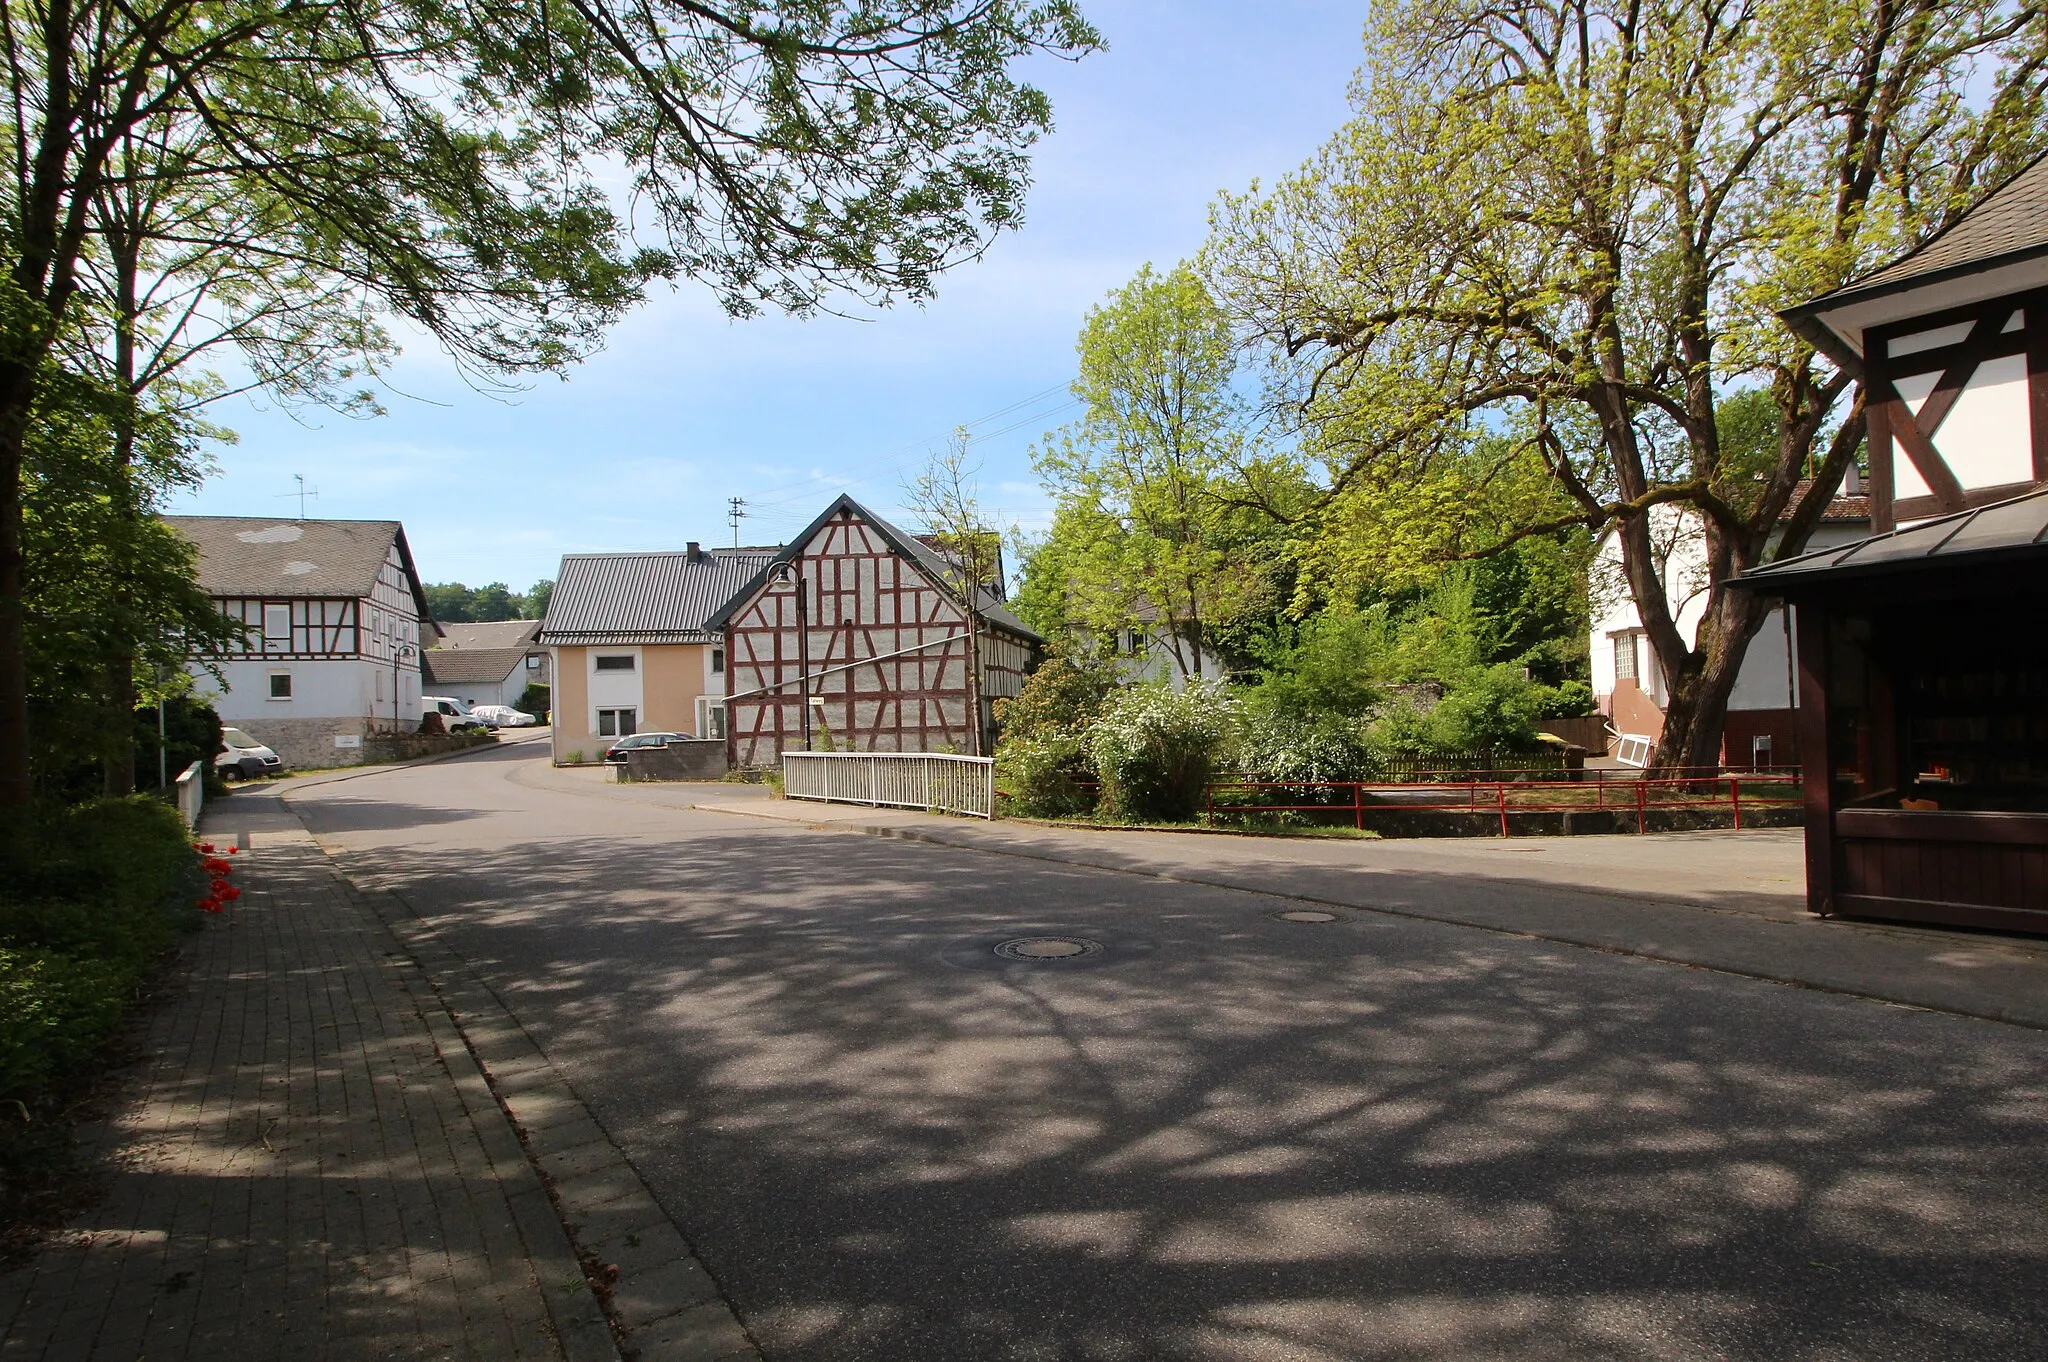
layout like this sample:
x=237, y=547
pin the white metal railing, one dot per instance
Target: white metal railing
x=191, y=785
x=896, y=780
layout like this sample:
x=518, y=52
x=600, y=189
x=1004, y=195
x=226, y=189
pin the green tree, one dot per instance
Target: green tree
x=534, y=604
x=1157, y=488
x=451, y=602
x=945, y=497
x=1572, y=223
x=494, y=602
x=450, y=165
x=108, y=580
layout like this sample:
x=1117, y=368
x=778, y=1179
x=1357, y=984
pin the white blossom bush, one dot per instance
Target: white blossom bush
x=1043, y=776
x=1155, y=747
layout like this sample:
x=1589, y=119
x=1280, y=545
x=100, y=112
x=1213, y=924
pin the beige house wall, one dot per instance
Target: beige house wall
x=569, y=705
x=671, y=678
x=673, y=681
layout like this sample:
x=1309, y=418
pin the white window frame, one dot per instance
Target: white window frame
x=710, y=717
x=611, y=714
x=632, y=661
x=274, y=642
x=270, y=684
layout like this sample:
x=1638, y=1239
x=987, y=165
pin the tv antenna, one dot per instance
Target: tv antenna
x=303, y=492
x=735, y=513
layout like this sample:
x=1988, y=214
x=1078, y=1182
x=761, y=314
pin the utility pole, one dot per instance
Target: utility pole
x=735, y=513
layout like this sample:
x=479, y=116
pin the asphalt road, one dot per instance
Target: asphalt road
x=1221, y=1135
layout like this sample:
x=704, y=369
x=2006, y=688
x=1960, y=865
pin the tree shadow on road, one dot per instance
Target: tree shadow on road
x=1363, y=1139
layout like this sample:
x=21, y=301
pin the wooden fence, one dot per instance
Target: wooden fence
x=894, y=780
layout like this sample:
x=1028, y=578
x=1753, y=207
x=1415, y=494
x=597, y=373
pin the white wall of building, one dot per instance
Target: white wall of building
x=1762, y=682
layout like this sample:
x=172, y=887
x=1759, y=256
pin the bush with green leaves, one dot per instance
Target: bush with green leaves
x=89, y=899
x=1154, y=748
x=1048, y=776
x=1489, y=709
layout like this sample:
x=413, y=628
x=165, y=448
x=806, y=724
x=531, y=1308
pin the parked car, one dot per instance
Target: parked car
x=456, y=716
x=243, y=758
x=615, y=755
x=503, y=716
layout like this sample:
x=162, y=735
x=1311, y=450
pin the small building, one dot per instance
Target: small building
x=333, y=611
x=632, y=647
x=1629, y=687
x=1923, y=666
x=866, y=628
x=487, y=664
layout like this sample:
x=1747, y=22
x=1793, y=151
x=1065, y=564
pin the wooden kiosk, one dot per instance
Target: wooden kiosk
x=1923, y=651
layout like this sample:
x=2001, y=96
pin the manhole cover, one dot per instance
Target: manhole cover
x=1307, y=915
x=1047, y=948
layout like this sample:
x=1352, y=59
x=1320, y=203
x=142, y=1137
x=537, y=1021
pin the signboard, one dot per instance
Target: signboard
x=347, y=740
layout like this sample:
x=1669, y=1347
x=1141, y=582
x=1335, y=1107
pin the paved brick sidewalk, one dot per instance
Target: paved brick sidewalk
x=309, y=1165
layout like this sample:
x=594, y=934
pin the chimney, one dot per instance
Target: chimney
x=696, y=551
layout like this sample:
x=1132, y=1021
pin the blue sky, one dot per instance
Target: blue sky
x=643, y=444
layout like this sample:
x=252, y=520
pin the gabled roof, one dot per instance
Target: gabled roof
x=659, y=597
x=907, y=545
x=471, y=666
x=251, y=556
x=2009, y=530
x=2006, y=228
x=489, y=634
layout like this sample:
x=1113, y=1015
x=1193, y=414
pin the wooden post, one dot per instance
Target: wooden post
x=1735, y=800
x=1501, y=792
x=1641, y=824
x=1816, y=756
x=1358, y=805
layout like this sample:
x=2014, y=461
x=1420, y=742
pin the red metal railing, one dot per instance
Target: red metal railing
x=1624, y=793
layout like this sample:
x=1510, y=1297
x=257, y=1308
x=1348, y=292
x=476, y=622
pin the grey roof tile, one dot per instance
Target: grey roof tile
x=490, y=634
x=471, y=666
x=2009, y=529
x=663, y=597
x=250, y=556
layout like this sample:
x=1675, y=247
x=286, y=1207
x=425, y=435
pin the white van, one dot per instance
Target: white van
x=456, y=716
x=243, y=758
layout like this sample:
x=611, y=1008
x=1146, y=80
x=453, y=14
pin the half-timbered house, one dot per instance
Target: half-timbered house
x=873, y=635
x=332, y=612
x=1923, y=669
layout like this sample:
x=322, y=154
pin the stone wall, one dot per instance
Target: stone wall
x=388, y=746
x=309, y=743
x=697, y=759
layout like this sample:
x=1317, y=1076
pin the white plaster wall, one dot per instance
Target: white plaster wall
x=331, y=689
x=615, y=690
x=1762, y=682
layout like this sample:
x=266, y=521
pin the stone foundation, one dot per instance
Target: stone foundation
x=697, y=759
x=307, y=743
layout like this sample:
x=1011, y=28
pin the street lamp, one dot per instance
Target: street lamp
x=785, y=574
x=399, y=651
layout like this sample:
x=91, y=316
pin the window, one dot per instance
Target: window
x=718, y=661
x=280, y=685
x=533, y=661
x=1625, y=657
x=617, y=723
x=277, y=628
x=710, y=718
x=620, y=663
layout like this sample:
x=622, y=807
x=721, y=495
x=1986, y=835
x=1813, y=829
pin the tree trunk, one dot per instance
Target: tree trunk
x=15, y=788
x=117, y=763
x=1702, y=680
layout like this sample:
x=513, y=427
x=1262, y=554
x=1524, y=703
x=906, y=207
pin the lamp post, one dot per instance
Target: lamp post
x=399, y=651
x=787, y=573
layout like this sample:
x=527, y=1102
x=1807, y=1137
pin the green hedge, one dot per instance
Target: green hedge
x=90, y=897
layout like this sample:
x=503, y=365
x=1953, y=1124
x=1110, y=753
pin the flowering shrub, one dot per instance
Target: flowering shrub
x=1155, y=747
x=1043, y=776
x=1283, y=745
x=220, y=891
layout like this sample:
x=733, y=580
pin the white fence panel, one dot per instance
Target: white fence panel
x=191, y=787
x=894, y=780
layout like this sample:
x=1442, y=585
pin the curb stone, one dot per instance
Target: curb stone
x=662, y=1305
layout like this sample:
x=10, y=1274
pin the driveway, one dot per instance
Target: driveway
x=1219, y=1134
